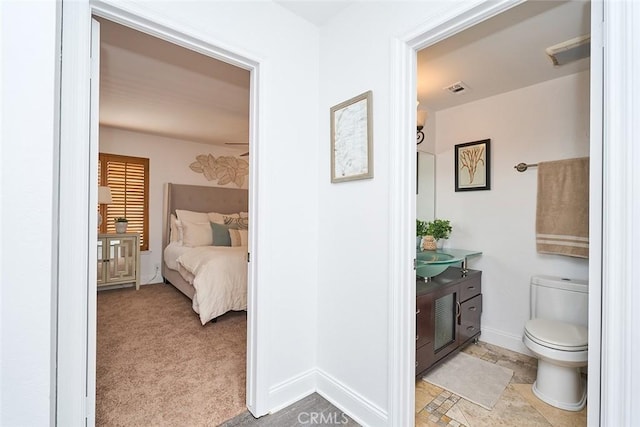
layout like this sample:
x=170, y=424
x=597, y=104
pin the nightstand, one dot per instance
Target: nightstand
x=118, y=259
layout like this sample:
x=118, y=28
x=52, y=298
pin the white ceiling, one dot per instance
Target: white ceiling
x=316, y=12
x=501, y=54
x=153, y=86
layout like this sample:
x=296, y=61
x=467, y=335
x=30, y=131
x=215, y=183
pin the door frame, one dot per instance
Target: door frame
x=402, y=202
x=75, y=359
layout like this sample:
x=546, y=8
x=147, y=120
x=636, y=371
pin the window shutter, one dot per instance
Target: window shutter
x=128, y=178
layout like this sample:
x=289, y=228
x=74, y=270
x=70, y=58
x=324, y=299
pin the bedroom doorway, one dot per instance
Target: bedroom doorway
x=77, y=337
x=208, y=116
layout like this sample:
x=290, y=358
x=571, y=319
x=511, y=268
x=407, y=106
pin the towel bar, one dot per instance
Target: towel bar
x=521, y=167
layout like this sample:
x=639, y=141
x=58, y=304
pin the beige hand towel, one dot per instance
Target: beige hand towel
x=562, y=216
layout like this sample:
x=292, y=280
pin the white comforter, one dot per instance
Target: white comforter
x=220, y=279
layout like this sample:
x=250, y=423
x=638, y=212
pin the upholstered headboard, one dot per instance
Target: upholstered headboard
x=201, y=199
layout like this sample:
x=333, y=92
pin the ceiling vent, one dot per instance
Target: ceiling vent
x=569, y=51
x=457, y=88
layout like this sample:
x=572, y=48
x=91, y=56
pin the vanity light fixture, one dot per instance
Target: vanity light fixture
x=422, y=118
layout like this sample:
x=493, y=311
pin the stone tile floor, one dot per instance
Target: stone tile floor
x=517, y=406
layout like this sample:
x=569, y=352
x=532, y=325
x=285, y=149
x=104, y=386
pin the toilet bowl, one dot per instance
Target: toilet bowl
x=557, y=335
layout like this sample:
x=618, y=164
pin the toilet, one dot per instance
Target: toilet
x=557, y=335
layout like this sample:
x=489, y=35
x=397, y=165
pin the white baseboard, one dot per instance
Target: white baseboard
x=351, y=403
x=505, y=340
x=291, y=390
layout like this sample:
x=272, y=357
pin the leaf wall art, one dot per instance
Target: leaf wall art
x=223, y=169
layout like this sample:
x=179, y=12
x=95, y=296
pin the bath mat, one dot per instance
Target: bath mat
x=473, y=379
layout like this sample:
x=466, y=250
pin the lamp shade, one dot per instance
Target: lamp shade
x=104, y=195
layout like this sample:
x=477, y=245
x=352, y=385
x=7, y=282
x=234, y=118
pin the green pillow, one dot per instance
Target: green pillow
x=221, y=235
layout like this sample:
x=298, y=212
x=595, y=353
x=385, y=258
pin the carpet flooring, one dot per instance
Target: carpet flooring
x=158, y=366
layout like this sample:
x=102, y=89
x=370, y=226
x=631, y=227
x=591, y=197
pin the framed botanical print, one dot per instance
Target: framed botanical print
x=472, y=166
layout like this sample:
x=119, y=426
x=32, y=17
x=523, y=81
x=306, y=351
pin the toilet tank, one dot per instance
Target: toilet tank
x=558, y=298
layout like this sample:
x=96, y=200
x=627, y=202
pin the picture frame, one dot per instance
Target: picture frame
x=473, y=166
x=352, y=139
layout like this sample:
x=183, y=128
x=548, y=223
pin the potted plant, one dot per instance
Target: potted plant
x=421, y=231
x=440, y=229
x=121, y=224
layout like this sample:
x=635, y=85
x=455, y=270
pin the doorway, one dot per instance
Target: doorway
x=406, y=52
x=77, y=309
x=167, y=106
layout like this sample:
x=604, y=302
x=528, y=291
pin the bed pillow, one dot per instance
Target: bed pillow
x=196, y=233
x=191, y=216
x=219, y=218
x=238, y=223
x=244, y=237
x=220, y=234
x=239, y=237
x=175, y=230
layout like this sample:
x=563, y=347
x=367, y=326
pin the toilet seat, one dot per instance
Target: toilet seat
x=557, y=335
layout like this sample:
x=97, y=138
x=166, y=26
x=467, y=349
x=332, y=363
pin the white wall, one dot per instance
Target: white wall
x=26, y=226
x=287, y=49
x=547, y=121
x=353, y=287
x=169, y=161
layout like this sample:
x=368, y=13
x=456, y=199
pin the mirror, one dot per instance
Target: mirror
x=426, y=186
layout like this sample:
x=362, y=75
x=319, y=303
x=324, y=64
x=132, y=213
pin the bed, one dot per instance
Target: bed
x=213, y=277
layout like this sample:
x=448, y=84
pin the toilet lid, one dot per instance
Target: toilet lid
x=557, y=334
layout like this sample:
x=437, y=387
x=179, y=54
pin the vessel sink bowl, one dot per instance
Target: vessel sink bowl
x=432, y=263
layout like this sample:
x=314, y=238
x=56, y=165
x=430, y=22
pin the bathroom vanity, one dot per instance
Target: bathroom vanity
x=448, y=309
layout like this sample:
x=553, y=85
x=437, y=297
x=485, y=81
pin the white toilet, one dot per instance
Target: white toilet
x=557, y=335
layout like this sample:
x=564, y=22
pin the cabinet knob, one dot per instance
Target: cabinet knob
x=416, y=364
x=417, y=312
x=472, y=308
x=417, y=337
x=471, y=287
x=470, y=328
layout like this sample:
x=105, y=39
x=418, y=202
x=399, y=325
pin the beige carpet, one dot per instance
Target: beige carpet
x=474, y=379
x=158, y=366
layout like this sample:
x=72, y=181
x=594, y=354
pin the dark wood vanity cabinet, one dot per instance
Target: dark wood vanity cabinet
x=448, y=310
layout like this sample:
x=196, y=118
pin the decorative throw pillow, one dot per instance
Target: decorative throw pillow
x=220, y=234
x=196, y=233
x=235, y=237
x=244, y=237
x=219, y=218
x=239, y=237
x=239, y=223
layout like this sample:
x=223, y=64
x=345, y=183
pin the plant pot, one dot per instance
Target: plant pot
x=429, y=243
x=121, y=227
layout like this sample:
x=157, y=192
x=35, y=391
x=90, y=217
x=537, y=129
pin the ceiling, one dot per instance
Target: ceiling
x=153, y=86
x=501, y=54
x=316, y=12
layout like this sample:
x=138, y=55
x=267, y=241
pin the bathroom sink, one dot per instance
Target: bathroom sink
x=432, y=263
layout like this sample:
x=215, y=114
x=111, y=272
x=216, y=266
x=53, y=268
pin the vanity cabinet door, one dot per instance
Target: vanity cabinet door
x=424, y=322
x=424, y=332
x=470, y=312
